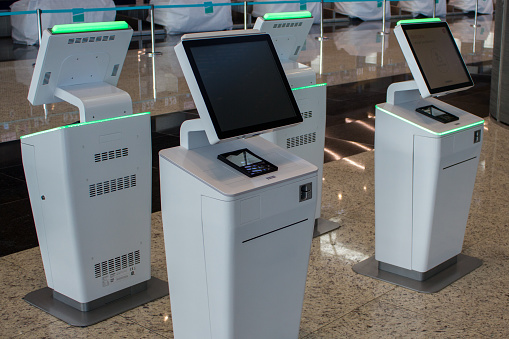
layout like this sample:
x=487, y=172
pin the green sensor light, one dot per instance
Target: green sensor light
x=287, y=15
x=89, y=27
x=418, y=21
x=310, y=86
x=427, y=130
x=82, y=124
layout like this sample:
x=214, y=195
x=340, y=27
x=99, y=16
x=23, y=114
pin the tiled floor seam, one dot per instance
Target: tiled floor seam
x=148, y=328
x=347, y=313
x=27, y=334
x=469, y=328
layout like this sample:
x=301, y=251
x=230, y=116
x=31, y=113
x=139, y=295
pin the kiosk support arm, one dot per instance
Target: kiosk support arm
x=400, y=92
x=96, y=101
x=192, y=134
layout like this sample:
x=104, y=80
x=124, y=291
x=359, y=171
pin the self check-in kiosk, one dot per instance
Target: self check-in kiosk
x=90, y=182
x=289, y=31
x=239, y=207
x=426, y=157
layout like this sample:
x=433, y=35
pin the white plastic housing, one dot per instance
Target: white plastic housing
x=82, y=69
x=306, y=140
x=247, y=241
x=424, y=179
x=90, y=190
x=288, y=35
x=77, y=63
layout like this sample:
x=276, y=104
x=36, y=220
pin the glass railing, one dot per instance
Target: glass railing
x=151, y=74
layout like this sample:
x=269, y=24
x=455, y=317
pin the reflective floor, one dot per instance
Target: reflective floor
x=338, y=302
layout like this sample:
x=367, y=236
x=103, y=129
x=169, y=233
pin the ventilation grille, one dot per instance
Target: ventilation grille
x=288, y=24
x=112, y=185
x=308, y=114
x=301, y=140
x=118, y=153
x=116, y=264
x=45, y=81
x=91, y=39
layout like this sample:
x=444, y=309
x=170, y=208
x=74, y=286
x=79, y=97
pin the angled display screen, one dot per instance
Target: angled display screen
x=242, y=83
x=437, y=56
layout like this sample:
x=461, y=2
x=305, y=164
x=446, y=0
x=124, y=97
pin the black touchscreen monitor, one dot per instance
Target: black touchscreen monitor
x=437, y=56
x=243, y=84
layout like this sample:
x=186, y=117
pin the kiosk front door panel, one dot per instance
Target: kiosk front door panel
x=256, y=262
x=443, y=182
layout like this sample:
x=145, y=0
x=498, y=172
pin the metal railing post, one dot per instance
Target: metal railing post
x=434, y=8
x=383, y=32
x=39, y=24
x=321, y=37
x=153, y=52
x=476, y=11
x=245, y=14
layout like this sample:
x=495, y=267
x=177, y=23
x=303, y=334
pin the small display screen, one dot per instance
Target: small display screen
x=437, y=56
x=437, y=114
x=247, y=162
x=242, y=83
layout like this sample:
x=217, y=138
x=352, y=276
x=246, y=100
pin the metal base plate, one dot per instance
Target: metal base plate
x=323, y=226
x=462, y=267
x=43, y=299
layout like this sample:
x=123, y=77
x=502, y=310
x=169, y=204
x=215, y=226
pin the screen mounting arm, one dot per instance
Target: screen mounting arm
x=400, y=92
x=96, y=101
x=192, y=134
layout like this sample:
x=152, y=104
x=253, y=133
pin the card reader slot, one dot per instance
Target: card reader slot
x=459, y=163
x=264, y=234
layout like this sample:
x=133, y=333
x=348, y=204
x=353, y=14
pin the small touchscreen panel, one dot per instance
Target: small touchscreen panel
x=247, y=162
x=437, y=114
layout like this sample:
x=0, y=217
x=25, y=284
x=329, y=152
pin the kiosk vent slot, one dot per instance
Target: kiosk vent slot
x=112, y=185
x=116, y=264
x=91, y=39
x=115, y=70
x=307, y=114
x=301, y=140
x=45, y=81
x=288, y=24
x=113, y=154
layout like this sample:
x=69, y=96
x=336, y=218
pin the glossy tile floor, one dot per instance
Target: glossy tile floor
x=338, y=302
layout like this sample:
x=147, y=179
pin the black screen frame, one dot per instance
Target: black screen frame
x=438, y=90
x=248, y=130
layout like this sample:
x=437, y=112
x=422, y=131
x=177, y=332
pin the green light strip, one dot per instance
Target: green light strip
x=287, y=15
x=310, y=86
x=89, y=27
x=427, y=130
x=419, y=21
x=82, y=124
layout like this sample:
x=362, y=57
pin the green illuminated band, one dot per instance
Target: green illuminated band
x=89, y=27
x=287, y=15
x=310, y=86
x=84, y=123
x=427, y=130
x=419, y=21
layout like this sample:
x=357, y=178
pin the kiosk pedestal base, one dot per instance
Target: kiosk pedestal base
x=44, y=300
x=323, y=226
x=443, y=278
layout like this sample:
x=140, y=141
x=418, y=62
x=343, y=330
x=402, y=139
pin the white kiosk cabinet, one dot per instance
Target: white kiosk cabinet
x=424, y=178
x=239, y=208
x=306, y=140
x=90, y=182
x=426, y=157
